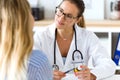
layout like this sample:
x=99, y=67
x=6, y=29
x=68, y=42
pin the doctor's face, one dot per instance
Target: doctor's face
x=66, y=15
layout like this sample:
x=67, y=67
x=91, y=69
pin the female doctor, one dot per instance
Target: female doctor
x=68, y=46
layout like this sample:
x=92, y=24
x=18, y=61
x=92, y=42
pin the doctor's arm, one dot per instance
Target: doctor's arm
x=103, y=65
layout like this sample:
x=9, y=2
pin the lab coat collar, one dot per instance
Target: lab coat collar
x=68, y=62
x=52, y=28
x=78, y=31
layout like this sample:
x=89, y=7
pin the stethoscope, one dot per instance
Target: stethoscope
x=55, y=66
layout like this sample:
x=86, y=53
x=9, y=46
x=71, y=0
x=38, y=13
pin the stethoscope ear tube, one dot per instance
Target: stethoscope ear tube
x=55, y=47
x=76, y=50
x=55, y=66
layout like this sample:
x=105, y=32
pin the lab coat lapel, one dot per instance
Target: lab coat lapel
x=68, y=64
x=59, y=60
x=51, y=34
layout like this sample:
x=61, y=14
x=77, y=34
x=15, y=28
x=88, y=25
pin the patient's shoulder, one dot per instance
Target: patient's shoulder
x=37, y=58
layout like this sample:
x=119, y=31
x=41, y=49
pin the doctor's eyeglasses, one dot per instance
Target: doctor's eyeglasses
x=59, y=12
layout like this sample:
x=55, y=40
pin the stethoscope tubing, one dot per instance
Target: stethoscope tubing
x=55, y=46
x=55, y=66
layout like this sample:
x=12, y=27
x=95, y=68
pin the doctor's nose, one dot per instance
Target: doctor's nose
x=62, y=17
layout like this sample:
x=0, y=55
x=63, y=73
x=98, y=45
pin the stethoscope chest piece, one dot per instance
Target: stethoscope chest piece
x=77, y=57
x=55, y=67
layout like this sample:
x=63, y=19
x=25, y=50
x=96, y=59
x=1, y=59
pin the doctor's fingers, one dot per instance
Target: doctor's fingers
x=85, y=70
x=57, y=78
x=84, y=67
x=58, y=75
x=83, y=74
x=83, y=78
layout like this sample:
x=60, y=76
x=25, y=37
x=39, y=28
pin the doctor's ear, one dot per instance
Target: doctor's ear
x=81, y=21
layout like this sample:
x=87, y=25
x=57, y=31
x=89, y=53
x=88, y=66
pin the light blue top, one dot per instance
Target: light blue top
x=64, y=60
x=39, y=67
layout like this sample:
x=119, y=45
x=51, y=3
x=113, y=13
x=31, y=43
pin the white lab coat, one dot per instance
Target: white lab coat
x=94, y=54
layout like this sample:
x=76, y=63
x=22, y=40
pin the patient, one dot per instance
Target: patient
x=17, y=60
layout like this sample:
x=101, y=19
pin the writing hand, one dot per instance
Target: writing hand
x=58, y=75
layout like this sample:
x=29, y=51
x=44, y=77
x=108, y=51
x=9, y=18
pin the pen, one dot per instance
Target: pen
x=75, y=70
x=69, y=70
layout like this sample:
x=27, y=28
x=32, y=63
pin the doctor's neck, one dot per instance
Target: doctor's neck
x=65, y=34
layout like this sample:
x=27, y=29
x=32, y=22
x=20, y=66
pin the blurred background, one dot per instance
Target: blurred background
x=106, y=9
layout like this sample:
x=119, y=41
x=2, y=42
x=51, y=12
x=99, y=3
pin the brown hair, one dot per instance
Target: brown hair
x=81, y=22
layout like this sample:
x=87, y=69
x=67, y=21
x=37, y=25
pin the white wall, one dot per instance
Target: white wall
x=96, y=11
x=49, y=7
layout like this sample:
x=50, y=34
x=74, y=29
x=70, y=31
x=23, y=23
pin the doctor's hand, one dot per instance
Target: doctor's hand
x=85, y=74
x=58, y=75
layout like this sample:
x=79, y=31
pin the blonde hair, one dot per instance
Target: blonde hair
x=16, y=39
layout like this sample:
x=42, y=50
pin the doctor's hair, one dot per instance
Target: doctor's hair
x=16, y=39
x=79, y=4
x=81, y=22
